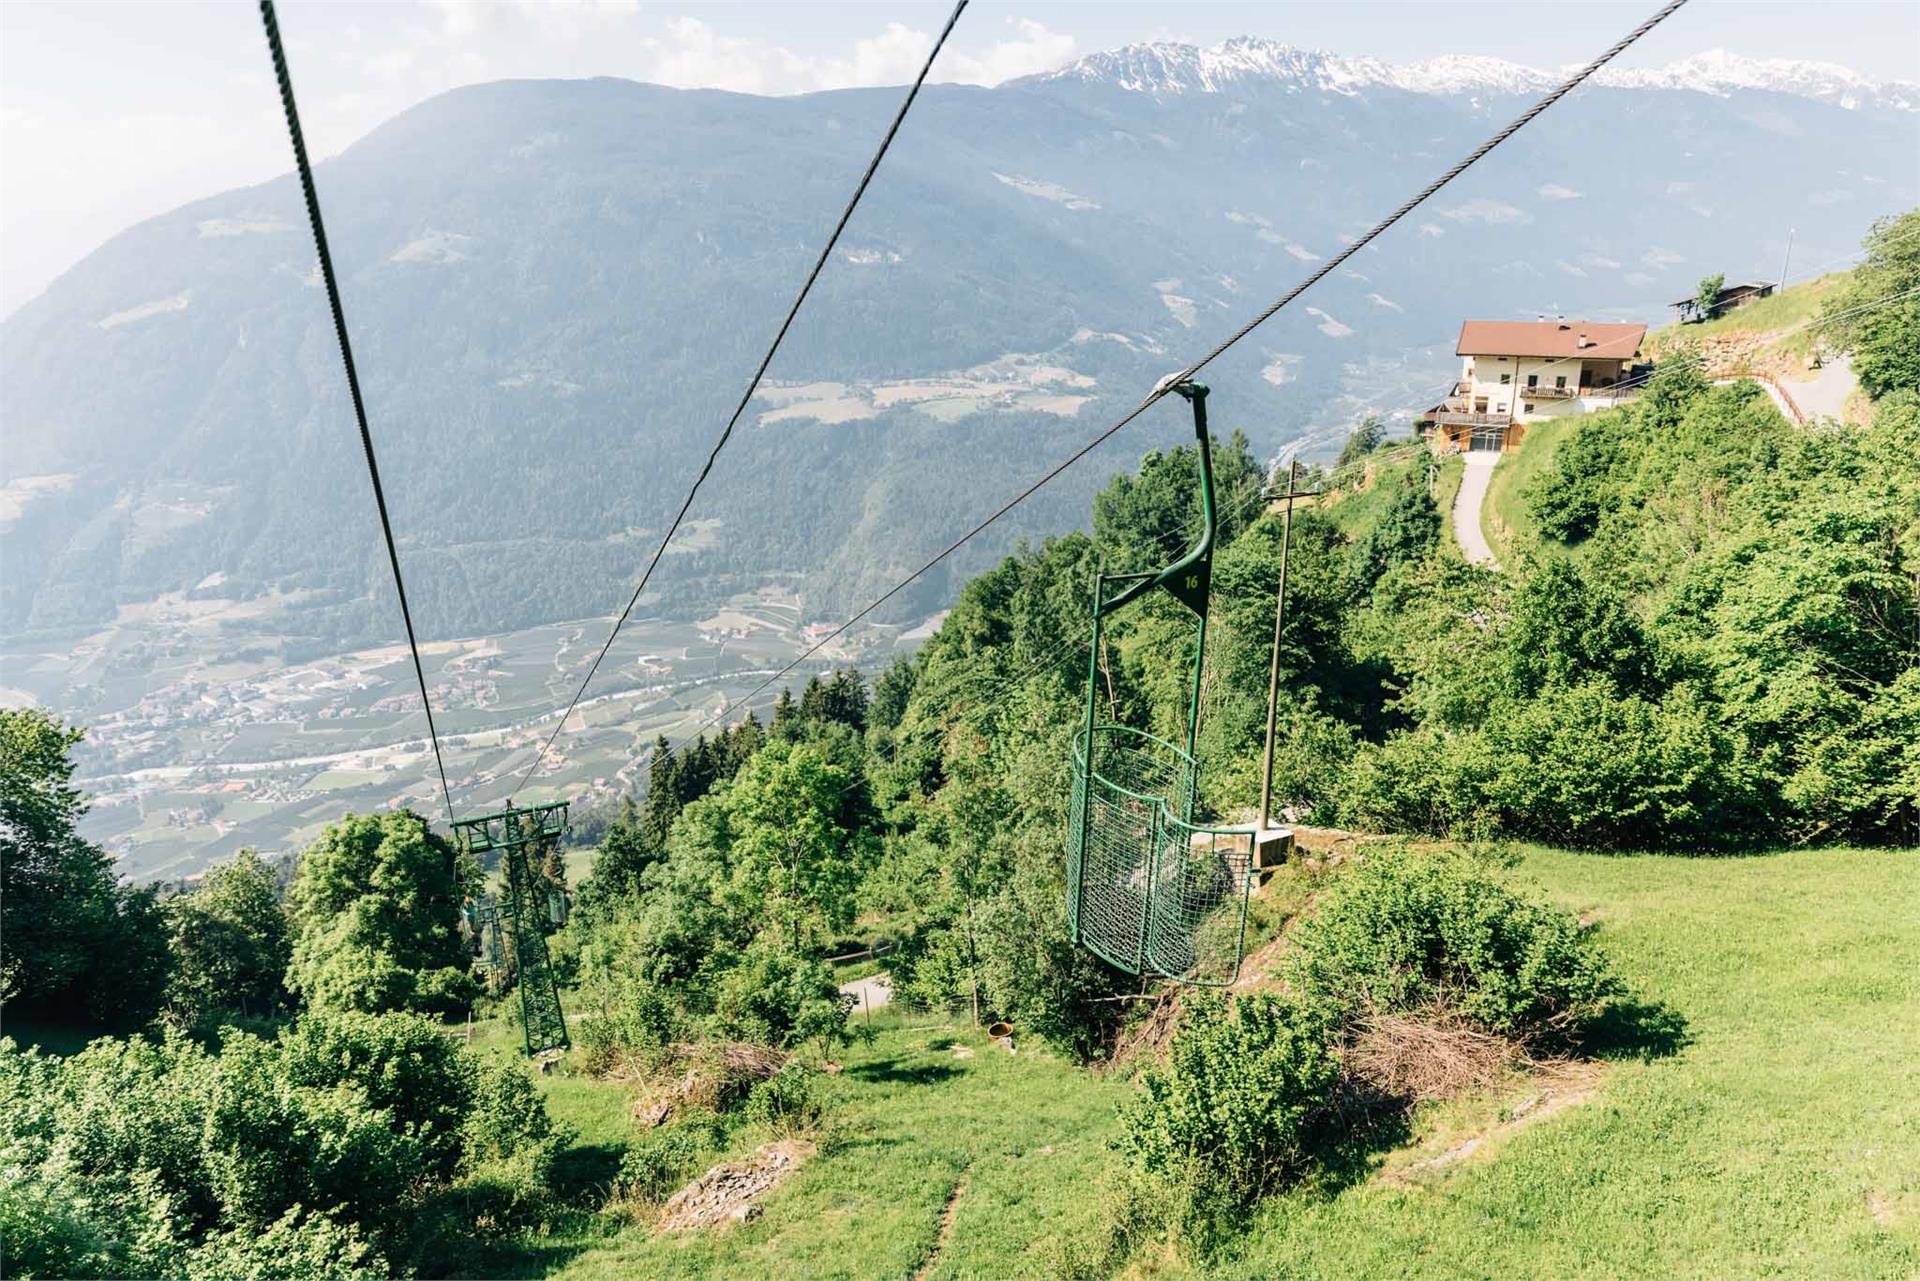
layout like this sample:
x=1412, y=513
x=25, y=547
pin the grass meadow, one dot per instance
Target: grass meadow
x=1771, y=1128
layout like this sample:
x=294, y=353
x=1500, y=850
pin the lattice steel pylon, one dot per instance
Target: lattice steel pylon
x=1149, y=890
x=531, y=906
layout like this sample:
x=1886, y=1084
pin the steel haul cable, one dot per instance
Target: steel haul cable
x=754, y=384
x=353, y=374
x=1161, y=389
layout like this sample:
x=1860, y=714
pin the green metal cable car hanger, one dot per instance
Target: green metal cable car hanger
x=1149, y=890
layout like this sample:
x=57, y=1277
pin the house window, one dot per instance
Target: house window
x=1533, y=380
x=1505, y=379
x=1560, y=380
x=1529, y=406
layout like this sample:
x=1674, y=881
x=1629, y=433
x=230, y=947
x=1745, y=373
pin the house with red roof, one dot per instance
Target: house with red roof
x=1515, y=372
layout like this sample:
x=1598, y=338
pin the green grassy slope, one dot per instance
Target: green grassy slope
x=909, y=1119
x=1794, y=305
x=1781, y=1138
x=1507, y=523
x=1356, y=512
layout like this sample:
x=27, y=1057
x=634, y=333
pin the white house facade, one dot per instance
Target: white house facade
x=1516, y=372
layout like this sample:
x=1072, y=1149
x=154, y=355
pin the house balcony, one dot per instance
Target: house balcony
x=1611, y=393
x=1552, y=393
x=1466, y=418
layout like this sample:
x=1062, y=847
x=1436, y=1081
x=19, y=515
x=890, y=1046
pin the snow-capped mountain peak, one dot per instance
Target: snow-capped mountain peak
x=1164, y=68
x=1719, y=72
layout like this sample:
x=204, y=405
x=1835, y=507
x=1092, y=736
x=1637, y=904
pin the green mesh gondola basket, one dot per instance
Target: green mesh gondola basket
x=1149, y=890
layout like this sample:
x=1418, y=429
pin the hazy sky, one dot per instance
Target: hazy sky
x=116, y=110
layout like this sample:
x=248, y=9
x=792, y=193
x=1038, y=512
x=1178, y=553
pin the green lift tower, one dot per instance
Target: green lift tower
x=532, y=906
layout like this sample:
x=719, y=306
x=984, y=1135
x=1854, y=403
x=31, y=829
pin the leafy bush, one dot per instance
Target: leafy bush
x=1413, y=931
x=1227, y=1118
x=655, y=1167
x=1581, y=766
x=311, y=1155
x=297, y=1247
x=790, y=1099
x=424, y=1083
x=1585, y=767
x=775, y=998
x=77, y=943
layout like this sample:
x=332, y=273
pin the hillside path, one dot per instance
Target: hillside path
x=869, y=993
x=1824, y=392
x=1467, y=504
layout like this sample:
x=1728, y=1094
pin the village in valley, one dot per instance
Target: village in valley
x=203, y=738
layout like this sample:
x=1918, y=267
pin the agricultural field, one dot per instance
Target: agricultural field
x=1757, y=1117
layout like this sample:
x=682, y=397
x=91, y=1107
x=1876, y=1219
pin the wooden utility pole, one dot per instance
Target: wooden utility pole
x=1279, y=625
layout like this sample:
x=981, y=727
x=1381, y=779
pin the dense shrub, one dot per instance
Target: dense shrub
x=1586, y=767
x=1581, y=766
x=658, y=1164
x=376, y=910
x=311, y=1155
x=76, y=944
x=791, y=1099
x=1227, y=1118
x=1572, y=495
x=406, y=1068
x=295, y=1247
x=1409, y=931
x=775, y=998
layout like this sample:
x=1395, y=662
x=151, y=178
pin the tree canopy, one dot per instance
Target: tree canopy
x=376, y=910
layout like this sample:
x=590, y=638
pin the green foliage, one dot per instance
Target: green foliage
x=1569, y=499
x=73, y=940
x=1228, y=1118
x=892, y=692
x=1723, y=656
x=1872, y=319
x=309, y=1155
x=773, y=997
x=792, y=1099
x=1567, y=627
x=1408, y=531
x=1147, y=520
x=375, y=906
x=230, y=944
x=723, y=937
x=1706, y=299
x=405, y=1068
x=298, y=1246
x=1366, y=437
x=653, y=1168
x=1408, y=931
x=626, y=850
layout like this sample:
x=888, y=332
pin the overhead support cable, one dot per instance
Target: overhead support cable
x=753, y=385
x=353, y=375
x=1165, y=385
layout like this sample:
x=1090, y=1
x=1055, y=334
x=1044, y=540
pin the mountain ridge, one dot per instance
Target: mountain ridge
x=564, y=281
x=1172, y=67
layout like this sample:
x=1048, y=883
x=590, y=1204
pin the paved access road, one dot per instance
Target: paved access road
x=869, y=993
x=1824, y=392
x=1467, y=505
